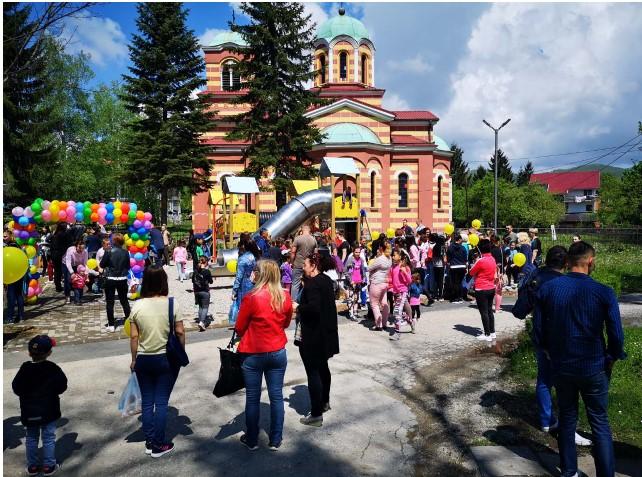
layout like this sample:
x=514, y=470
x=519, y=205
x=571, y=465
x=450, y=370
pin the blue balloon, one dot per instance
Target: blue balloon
x=35, y=276
x=109, y=207
x=24, y=221
x=133, y=206
x=109, y=217
x=141, y=231
x=138, y=275
x=79, y=216
x=131, y=229
x=138, y=256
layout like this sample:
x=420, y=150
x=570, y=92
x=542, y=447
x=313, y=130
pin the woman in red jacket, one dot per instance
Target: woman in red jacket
x=484, y=272
x=265, y=314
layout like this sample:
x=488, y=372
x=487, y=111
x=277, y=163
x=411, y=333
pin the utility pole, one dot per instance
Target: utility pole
x=496, y=130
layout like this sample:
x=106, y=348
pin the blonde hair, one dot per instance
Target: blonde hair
x=533, y=231
x=523, y=238
x=268, y=276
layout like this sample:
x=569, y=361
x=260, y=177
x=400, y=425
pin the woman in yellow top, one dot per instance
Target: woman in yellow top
x=150, y=323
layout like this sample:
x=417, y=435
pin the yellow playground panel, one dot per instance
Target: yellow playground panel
x=243, y=222
x=347, y=210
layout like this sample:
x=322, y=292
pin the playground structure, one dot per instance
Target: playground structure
x=321, y=200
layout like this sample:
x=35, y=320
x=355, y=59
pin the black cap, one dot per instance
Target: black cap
x=41, y=344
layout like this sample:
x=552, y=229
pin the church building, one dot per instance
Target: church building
x=404, y=166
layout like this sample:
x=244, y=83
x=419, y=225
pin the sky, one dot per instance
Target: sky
x=567, y=75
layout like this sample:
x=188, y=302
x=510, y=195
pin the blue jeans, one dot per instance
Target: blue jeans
x=543, y=390
x=48, y=444
x=594, y=391
x=15, y=297
x=78, y=295
x=156, y=379
x=273, y=366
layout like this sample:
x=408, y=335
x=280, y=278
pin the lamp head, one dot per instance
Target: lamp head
x=505, y=123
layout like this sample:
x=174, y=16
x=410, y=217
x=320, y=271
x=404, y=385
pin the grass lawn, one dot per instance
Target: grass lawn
x=625, y=392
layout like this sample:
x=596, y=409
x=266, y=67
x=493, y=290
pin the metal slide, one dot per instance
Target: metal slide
x=284, y=222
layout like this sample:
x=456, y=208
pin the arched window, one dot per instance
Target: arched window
x=373, y=182
x=439, y=191
x=231, y=80
x=281, y=198
x=322, y=68
x=364, y=69
x=403, y=190
x=343, y=65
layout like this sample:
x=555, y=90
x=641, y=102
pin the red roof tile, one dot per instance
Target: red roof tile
x=415, y=116
x=222, y=142
x=407, y=139
x=562, y=182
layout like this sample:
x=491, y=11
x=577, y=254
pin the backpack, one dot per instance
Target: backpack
x=526, y=294
x=199, y=281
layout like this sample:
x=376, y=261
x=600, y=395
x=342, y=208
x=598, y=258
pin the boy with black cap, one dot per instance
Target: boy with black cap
x=38, y=384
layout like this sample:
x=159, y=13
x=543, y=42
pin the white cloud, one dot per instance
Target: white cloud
x=562, y=73
x=100, y=38
x=394, y=102
x=206, y=38
x=416, y=64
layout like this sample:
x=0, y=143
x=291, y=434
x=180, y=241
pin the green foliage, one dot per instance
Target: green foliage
x=524, y=174
x=29, y=143
x=480, y=173
x=621, y=199
x=504, y=170
x=274, y=69
x=458, y=167
x=163, y=148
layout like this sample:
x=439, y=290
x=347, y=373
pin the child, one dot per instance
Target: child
x=415, y=296
x=499, y=285
x=180, y=258
x=202, y=279
x=399, y=280
x=286, y=273
x=78, y=281
x=38, y=384
x=512, y=270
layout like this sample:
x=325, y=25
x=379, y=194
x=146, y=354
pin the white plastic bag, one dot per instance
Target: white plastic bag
x=131, y=400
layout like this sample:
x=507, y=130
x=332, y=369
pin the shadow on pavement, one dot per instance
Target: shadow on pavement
x=469, y=330
x=299, y=400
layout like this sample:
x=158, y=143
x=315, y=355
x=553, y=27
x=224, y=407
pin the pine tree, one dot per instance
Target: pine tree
x=28, y=120
x=458, y=167
x=274, y=68
x=504, y=170
x=480, y=173
x=524, y=174
x=163, y=149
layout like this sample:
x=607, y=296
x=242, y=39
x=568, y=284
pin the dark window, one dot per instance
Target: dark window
x=322, y=68
x=364, y=69
x=281, y=198
x=403, y=190
x=373, y=179
x=588, y=192
x=439, y=191
x=231, y=78
x=589, y=207
x=343, y=65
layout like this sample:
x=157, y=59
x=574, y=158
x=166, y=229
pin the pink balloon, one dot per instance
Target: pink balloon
x=62, y=215
x=141, y=263
x=28, y=212
x=148, y=216
x=31, y=292
x=132, y=262
x=71, y=218
x=147, y=224
x=102, y=212
x=71, y=203
x=102, y=220
x=71, y=210
x=38, y=291
x=46, y=215
x=45, y=204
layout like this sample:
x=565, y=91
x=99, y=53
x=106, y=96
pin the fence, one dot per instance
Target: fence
x=603, y=235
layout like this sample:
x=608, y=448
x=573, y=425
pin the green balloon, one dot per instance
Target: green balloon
x=40, y=200
x=36, y=208
x=132, y=215
x=38, y=218
x=134, y=236
x=87, y=205
x=31, y=241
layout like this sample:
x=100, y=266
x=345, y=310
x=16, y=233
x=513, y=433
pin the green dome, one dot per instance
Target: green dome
x=342, y=25
x=441, y=144
x=228, y=37
x=349, y=133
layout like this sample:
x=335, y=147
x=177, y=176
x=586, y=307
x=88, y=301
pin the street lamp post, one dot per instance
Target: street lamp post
x=496, y=130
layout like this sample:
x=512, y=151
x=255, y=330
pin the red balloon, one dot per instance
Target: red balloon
x=143, y=250
x=125, y=208
x=123, y=218
x=133, y=249
x=31, y=227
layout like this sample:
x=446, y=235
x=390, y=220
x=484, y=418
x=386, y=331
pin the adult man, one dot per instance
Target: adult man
x=458, y=259
x=420, y=227
x=407, y=229
x=512, y=236
x=568, y=326
x=157, y=245
x=263, y=242
x=302, y=246
x=166, y=240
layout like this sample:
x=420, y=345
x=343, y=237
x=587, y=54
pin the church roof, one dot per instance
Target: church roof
x=415, y=116
x=441, y=144
x=228, y=37
x=342, y=25
x=342, y=133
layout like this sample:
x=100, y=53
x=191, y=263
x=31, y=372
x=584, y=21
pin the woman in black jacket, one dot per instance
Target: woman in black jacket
x=116, y=261
x=60, y=242
x=319, y=336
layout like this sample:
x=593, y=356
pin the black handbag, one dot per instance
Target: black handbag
x=175, y=351
x=230, y=376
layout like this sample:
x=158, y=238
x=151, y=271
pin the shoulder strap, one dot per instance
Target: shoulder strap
x=171, y=314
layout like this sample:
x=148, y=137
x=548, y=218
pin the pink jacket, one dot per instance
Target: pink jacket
x=180, y=255
x=399, y=279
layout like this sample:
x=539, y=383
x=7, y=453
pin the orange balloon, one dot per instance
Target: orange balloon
x=62, y=205
x=31, y=227
x=94, y=208
x=140, y=215
x=33, y=283
x=94, y=217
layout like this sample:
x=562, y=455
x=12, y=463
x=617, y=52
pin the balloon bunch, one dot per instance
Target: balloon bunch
x=34, y=289
x=24, y=229
x=137, y=241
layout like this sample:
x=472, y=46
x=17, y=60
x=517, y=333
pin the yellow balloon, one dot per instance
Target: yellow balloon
x=127, y=326
x=92, y=264
x=15, y=265
x=231, y=266
x=476, y=224
x=390, y=233
x=519, y=259
x=449, y=229
x=117, y=205
x=117, y=213
x=375, y=235
x=473, y=239
x=32, y=300
x=33, y=269
x=30, y=250
x=129, y=242
x=140, y=243
x=10, y=225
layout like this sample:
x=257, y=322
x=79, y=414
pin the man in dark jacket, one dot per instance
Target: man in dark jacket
x=457, y=262
x=157, y=245
x=60, y=242
x=116, y=261
x=38, y=384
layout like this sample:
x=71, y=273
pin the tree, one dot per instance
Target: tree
x=480, y=173
x=524, y=174
x=458, y=167
x=274, y=68
x=621, y=199
x=28, y=120
x=503, y=170
x=163, y=149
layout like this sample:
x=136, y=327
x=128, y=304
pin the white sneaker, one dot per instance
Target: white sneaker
x=110, y=329
x=582, y=441
x=482, y=337
x=493, y=336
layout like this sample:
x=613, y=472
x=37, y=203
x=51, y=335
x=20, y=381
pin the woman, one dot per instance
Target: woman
x=524, y=243
x=115, y=263
x=74, y=256
x=249, y=253
x=438, y=263
x=319, y=336
x=484, y=272
x=536, y=246
x=150, y=322
x=379, y=270
x=265, y=314
x=413, y=251
x=60, y=242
